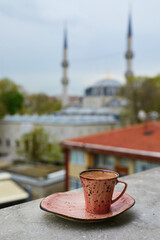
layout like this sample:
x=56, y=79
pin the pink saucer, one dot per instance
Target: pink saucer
x=71, y=205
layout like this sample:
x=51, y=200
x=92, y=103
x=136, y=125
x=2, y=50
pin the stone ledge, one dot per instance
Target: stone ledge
x=27, y=221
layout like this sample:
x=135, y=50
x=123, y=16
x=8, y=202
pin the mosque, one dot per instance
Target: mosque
x=102, y=93
x=99, y=111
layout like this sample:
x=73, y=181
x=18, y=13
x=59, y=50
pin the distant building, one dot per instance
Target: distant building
x=106, y=87
x=103, y=94
x=126, y=150
x=75, y=101
x=68, y=123
x=42, y=186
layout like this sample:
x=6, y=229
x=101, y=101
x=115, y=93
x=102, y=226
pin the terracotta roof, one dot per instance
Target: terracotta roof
x=136, y=138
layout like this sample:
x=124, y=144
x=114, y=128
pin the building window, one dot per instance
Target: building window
x=77, y=157
x=105, y=161
x=8, y=143
x=114, y=103
x=110, y=161
x=144, y=165
x=99, y=160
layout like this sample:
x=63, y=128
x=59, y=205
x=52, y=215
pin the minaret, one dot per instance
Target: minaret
x=129, y=53
x=65, y=100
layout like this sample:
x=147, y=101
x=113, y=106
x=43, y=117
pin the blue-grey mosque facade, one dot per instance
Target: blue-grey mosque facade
x=105, y=87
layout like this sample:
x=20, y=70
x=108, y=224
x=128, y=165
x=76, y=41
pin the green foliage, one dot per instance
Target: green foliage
x=142, y=94
x=11, y=97
x=41, y=104
x=13, y=100
x=2, y=110
x=36, y=146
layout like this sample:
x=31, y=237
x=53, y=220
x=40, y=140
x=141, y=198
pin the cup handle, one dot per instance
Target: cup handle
x=120, y=195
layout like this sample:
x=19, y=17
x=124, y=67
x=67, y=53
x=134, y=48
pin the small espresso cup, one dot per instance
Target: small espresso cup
x=98, y=186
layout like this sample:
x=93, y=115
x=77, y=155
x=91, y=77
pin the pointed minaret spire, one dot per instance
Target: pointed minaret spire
x=65, y=38
x=129, y=53
x=65, y=100
x=130, y=27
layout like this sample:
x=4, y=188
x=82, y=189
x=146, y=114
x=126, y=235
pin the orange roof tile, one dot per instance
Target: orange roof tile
x=144, y=137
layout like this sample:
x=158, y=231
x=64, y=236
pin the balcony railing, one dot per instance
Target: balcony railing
x=27, y=221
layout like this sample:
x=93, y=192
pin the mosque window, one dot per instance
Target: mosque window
x=103, y=87
x=108, y=91
x=8, y=143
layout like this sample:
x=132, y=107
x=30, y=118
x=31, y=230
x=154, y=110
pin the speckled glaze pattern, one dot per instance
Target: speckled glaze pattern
x=98, y=194
x=71, y=206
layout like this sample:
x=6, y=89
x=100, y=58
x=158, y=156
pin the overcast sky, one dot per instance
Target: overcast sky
x=31, y=41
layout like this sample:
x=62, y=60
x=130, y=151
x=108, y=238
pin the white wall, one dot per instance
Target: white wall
x=13, y=131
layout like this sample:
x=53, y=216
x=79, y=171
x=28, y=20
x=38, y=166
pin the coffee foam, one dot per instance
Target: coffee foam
x=99, y=175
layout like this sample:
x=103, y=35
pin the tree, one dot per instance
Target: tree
x=36, y=146
x=41, y=104
x=2, y=110
x=11, y=97
x=141, y=94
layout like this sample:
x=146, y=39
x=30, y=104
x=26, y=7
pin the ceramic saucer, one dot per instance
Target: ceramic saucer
x=71, y=205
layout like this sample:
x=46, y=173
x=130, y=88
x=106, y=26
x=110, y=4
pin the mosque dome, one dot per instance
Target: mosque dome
x=105, y=87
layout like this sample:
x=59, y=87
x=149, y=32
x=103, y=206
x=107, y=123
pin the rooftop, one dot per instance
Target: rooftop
x=138, y=139
x=27, y=221
x=10, y=191
x=106, y=83
x=68, y=116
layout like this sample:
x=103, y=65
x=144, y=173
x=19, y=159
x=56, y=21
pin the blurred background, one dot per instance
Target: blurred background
x=81, y=70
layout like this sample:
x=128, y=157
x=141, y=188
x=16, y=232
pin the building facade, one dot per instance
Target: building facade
x=126, y=150
x=104, y=94
x=69, y=123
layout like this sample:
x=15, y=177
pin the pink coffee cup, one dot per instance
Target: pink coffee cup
x=98, y=186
